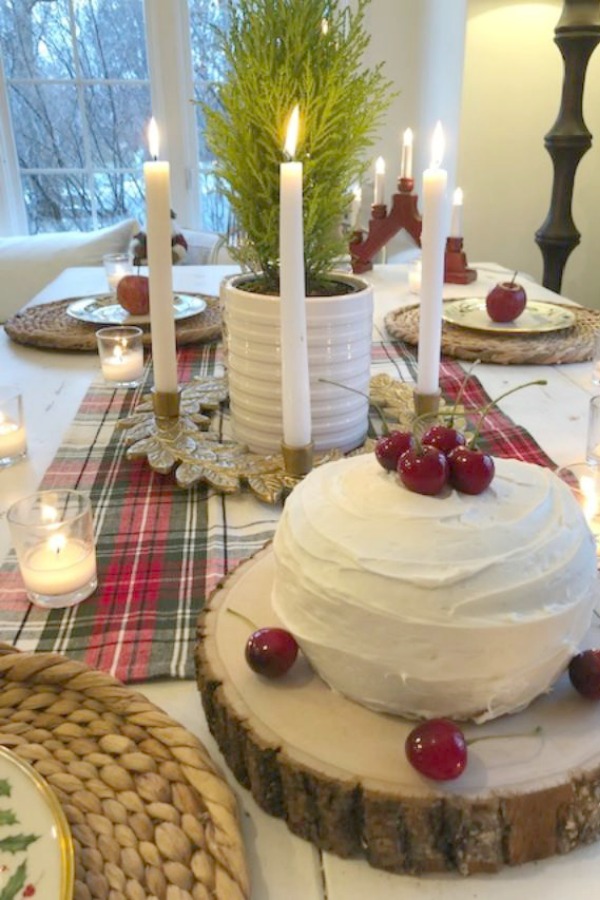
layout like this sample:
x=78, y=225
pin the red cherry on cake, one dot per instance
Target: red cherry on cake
x=390, y=448
x=443, y=437
x=423, y=470
x=271, y=651
x=470, y=471
x=437, y=749
x=584, y=672
x=506, y=301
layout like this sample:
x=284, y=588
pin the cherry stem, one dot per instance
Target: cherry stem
x=514, y=278
x=244, y=618
x=501, y=737
x=384, y=425
x=461, y=391
x=492, y=403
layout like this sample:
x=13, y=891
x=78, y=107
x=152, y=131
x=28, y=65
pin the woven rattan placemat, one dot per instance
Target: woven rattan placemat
x=150, y=815
x=575, y=344
x=49, y=326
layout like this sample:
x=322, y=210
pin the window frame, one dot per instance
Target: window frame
x=171, y=93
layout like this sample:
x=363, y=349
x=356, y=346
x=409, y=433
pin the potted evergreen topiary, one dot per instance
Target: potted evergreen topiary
x=280, y=53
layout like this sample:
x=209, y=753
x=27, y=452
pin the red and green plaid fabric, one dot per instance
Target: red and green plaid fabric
x=162, y=550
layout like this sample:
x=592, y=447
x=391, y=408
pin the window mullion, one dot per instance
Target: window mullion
x=171, y=88
x=13, y=216
x=87, y=154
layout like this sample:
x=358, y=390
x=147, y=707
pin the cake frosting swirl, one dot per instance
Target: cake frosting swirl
x=455, y=605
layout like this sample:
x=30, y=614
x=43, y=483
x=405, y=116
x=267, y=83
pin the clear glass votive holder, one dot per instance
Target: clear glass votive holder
x=414, y=277
x=53, y=536
x=13, y=439
x=121, y=352
x=596, y=359
x=592, y=451
x=584, y=481
x=116, y=266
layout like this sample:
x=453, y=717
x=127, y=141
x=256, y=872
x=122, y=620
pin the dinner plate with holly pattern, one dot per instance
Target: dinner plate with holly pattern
x=539, y=316
x=36, y=848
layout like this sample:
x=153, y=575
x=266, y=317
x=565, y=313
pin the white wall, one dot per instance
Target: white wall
x=510, y=85
x=511, y=97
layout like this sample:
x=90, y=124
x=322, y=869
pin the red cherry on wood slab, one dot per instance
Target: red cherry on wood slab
x=584, y=672
x=443, y=437
x=271, y=651
x=390, y=448
x=506, y=301
x=437, y=749
x=470, y=471
x=423, y=471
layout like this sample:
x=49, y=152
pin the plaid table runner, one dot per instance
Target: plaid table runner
x=162, y=550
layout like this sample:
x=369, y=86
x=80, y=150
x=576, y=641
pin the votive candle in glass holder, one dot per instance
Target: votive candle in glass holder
x=584, y=481
x=53, y=536
x=592, y=451
x=13, y=440
x=596, y=359
x=116, y=266
x=121, y=354
x=414, y=276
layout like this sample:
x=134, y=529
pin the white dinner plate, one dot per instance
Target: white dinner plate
x=36, y=849
x=101, y=309
x=538, y=316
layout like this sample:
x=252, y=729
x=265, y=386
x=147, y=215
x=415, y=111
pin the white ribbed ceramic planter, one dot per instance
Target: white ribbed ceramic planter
x=339, y=333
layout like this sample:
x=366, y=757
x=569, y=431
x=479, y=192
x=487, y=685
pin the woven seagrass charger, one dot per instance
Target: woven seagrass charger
x=567, y=345
x=50, y=327
x=150, y=815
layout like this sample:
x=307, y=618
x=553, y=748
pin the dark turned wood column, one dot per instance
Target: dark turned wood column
x=576, y=34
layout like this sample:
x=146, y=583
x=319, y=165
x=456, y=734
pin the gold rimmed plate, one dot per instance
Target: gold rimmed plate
x=537, y=317
x=102, y=310
x=36, y=848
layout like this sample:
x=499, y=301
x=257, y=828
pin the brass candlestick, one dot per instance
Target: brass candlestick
x=427, y=404
x=298, y=461
x=175, y=432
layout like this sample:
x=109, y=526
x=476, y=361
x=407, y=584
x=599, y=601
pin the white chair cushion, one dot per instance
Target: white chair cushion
x=205, y=248
x=29, y=262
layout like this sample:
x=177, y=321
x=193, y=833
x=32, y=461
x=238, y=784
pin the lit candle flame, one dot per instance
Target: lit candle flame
x=291, y=138
x=408, y=137
x=153, y=138
x=118, y=353
x=437, y=146
x=324, y=26
x=380, y=166
x=457, y=197
x=57, y=543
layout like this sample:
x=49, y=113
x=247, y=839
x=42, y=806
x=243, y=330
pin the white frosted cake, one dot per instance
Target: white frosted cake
x=453, y=605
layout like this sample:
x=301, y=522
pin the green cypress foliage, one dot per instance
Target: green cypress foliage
x=280, y=54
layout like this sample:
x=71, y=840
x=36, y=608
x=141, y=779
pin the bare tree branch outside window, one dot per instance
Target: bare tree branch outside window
x=79, y=95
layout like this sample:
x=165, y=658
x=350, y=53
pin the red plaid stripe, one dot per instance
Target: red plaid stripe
x=162, y=550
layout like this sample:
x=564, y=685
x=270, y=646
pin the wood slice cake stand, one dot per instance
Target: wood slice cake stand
x=337, y=773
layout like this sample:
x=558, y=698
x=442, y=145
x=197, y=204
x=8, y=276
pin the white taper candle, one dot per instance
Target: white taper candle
x=295, y=381
x=433, y=241
x=158, y=216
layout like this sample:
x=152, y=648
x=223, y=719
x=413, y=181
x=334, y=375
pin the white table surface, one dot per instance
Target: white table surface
x=283, y=867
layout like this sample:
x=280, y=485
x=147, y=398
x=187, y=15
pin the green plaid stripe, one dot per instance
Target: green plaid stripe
x=161, y=550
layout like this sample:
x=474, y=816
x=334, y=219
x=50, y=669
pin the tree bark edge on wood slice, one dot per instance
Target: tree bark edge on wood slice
x=411, y=834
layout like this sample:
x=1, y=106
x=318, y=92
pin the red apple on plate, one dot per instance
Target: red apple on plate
x=506, y=301
x=133, y=294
